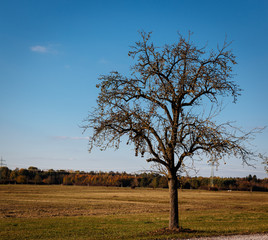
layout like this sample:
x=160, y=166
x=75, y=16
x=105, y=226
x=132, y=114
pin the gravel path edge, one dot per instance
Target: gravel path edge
x=259, y=236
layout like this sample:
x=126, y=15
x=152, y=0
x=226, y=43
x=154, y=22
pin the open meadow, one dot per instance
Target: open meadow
x=76, y=212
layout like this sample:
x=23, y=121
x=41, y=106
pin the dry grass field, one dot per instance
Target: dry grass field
x=74, y=212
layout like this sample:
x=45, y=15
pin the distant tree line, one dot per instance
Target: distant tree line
x=33, y=175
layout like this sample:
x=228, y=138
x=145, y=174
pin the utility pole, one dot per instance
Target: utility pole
x=212, y=175
x=213, y=162
x=2, y=164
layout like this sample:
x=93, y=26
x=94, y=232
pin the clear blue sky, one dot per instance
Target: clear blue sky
x=52, y=52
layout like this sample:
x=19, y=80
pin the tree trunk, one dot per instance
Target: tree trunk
x=174, y=210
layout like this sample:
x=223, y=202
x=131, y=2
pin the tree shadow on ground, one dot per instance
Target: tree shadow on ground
x=170, y=232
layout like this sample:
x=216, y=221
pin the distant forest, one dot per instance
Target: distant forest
x=33, y=175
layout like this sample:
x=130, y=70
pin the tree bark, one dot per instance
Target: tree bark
x=174, y=210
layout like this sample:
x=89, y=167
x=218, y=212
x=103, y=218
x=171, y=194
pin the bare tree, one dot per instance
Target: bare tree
x=265, y=162
x=161, y=107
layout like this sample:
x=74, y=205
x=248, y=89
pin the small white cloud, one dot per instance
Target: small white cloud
x=39, y=49
x=50, y=48
x=60, y=137
x=70, y=138
x=79, y=138
x=103, y=61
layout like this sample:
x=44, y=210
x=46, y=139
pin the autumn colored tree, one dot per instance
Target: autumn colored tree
x=37, y=179
x=4, y=174
x=161, y=107
x=14, y=175
x=22, y=179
